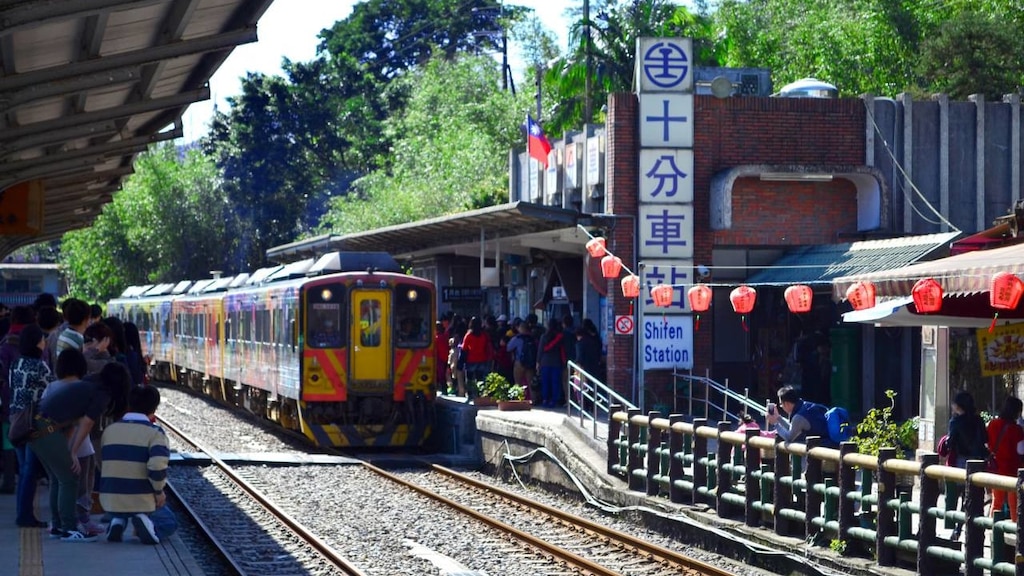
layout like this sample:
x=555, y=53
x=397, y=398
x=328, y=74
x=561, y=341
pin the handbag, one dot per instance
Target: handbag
x=21, y=427
x=990, y=462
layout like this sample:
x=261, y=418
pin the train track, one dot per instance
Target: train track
x=252, y=534
x=578, y=544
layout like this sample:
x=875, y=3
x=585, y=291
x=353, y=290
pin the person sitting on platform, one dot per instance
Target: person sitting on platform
x=134, y=473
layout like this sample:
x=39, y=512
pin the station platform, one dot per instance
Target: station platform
x=31, y=551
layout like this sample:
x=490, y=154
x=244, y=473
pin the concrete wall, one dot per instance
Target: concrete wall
x=963, y=158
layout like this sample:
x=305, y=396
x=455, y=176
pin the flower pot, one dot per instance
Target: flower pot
x=513, y=405
x=484, y=402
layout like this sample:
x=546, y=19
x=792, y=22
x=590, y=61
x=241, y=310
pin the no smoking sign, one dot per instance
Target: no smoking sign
x=624, y=325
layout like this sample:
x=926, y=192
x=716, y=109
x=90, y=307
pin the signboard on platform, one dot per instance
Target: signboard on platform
x=667, y=342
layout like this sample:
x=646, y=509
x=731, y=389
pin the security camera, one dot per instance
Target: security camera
x=703, y=272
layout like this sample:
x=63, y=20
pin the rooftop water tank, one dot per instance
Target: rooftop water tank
x=808, y=88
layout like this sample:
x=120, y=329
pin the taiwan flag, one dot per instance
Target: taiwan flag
x=536, y=142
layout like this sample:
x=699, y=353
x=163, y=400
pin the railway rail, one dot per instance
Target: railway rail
x=579, y=544
x=254, y=536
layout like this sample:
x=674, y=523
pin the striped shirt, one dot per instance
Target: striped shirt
x=134, y=455
x=69, y=339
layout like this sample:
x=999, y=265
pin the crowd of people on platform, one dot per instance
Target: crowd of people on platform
x=78, y=417
x=523, y=351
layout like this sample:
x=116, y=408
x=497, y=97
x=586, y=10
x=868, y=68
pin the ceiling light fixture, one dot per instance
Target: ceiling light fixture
x=795, y=177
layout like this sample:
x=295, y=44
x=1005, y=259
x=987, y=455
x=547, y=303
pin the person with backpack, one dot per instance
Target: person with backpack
x=832, y=425
x=523, y=348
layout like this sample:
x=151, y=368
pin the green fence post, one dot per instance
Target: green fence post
x=812, y=476
x=886, y=524
x=751, y=463
x=675, y=460
x=724, y=476
x=653, y=459
x=633, y=479
x=700, y=452
x=783, y=494
x=974, y=506
x=928, y=497
x=847, y=485
x=614, y=430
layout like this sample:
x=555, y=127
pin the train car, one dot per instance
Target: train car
x=149, y=308
x=340, y=349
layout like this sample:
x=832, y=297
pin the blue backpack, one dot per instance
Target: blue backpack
x=839, y=427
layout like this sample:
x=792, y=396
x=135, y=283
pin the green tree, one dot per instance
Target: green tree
x=170, y=222
x=974, y=53
x=450, y=149
x=877, y=46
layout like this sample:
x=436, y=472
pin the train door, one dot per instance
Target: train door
x=371, y=335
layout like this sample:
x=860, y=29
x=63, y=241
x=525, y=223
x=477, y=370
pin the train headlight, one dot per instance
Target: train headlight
x=326, y=295
x=412, y=295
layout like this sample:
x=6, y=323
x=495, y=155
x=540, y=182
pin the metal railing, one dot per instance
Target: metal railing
x=717, y=401
x=590, y=398
x=852, y=502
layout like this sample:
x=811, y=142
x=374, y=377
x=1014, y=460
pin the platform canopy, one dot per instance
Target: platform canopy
x=86, y=85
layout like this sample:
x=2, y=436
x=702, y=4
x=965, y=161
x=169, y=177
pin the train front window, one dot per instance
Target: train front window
x=412, y=316
x=324, y=326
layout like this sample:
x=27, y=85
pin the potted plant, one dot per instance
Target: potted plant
x=509, y=396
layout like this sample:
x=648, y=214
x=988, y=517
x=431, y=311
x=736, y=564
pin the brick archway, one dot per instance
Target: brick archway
x=874, y=201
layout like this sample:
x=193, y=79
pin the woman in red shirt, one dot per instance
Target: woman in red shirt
x=1003, y=436
x=478, y=352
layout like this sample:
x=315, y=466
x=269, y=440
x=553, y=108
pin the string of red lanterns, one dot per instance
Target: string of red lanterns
x=1005, y=291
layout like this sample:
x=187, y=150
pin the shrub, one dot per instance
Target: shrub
x=880, y=430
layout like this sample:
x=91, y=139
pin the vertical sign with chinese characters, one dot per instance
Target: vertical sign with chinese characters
x=665, y=220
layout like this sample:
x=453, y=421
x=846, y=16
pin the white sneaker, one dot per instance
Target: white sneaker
x=76, y=536
x=144, y=529
x=115, y=532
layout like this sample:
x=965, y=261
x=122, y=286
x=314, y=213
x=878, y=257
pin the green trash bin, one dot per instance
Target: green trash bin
x=846, y=369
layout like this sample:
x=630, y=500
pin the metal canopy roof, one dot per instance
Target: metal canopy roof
x=821, y=264
x=86, y=85
x=516, y=227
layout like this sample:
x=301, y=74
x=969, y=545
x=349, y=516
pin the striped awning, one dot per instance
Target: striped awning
x=962, y=274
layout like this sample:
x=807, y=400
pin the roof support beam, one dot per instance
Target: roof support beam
x=13, y=100
x=70, y=161
x=26, y=15
x=124, y=111
x=224, y=41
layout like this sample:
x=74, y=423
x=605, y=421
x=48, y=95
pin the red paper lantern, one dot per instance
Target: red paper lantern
x=743, y=299
x=799, y=298
x=699, y=297
x=927, y=294
x=596, y=247
x=1006, y=291
x=861, y=295
x=662, y=295
x=611, y=266
x=630, y=286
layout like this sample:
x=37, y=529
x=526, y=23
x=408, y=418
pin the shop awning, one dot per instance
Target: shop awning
x=821, y=264
x=963, y=274
x=970, y=311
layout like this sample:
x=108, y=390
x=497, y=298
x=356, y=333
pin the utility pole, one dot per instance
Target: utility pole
x=504, y=46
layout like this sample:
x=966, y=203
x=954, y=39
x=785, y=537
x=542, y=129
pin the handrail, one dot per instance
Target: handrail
x=590, y=397
x=747, y=404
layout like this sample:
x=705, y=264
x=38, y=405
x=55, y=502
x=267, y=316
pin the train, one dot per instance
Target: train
x=339, y=348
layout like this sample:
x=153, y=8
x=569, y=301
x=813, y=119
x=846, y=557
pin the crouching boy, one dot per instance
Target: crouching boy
x=134, y=472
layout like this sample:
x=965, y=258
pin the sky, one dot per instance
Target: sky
x=289, y=29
